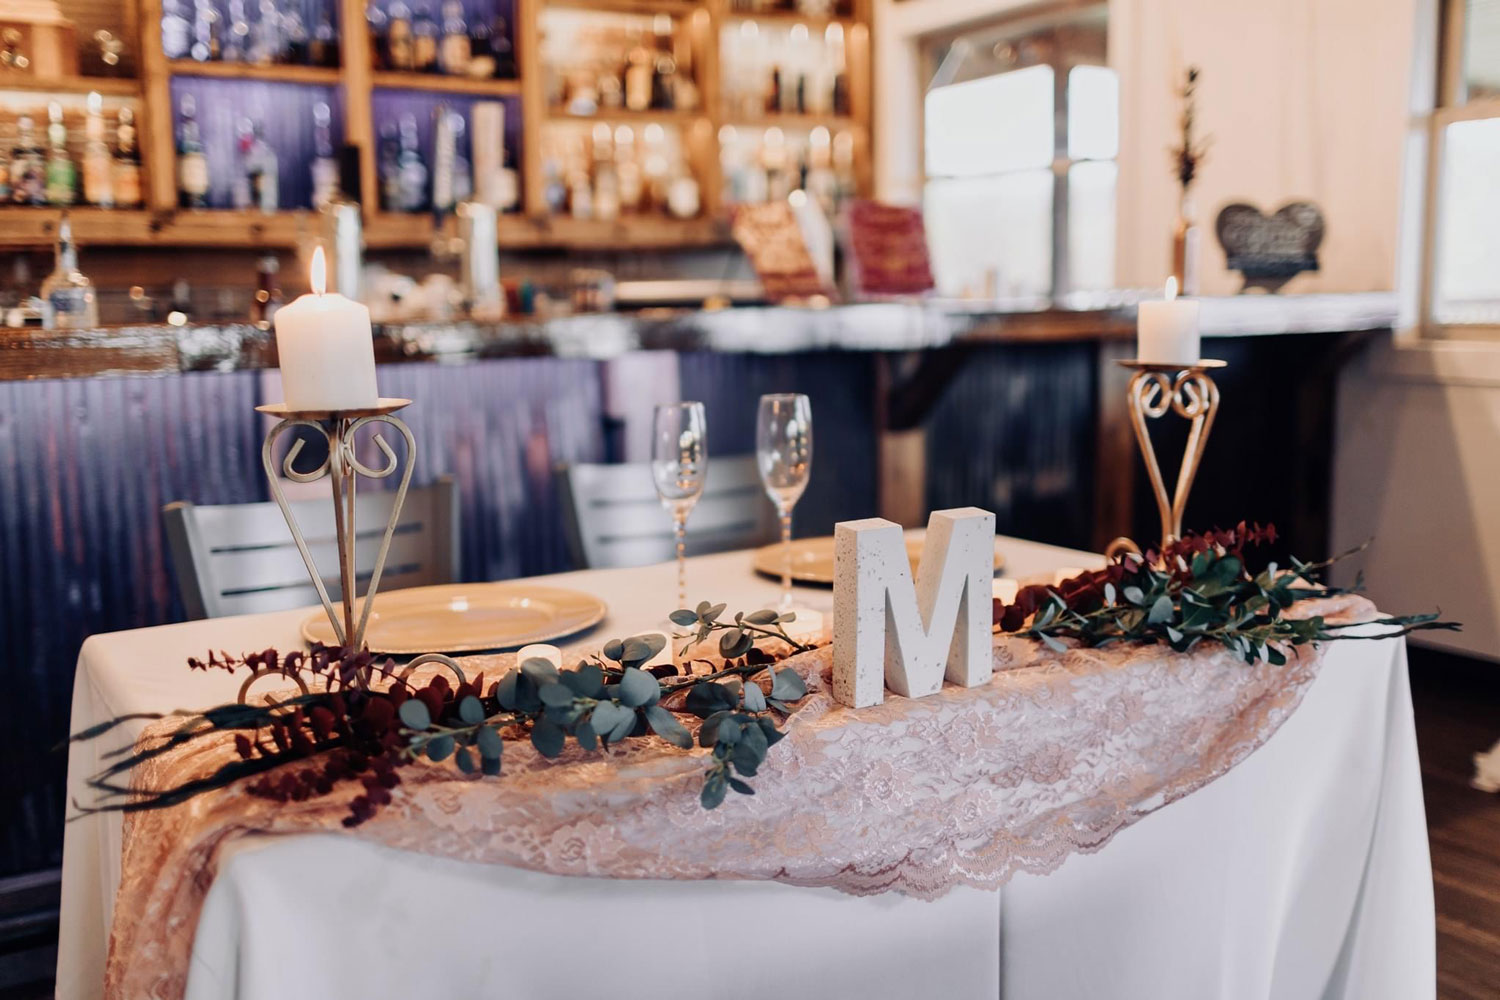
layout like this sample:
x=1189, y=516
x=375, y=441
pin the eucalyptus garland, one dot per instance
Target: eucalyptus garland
x=1196, y=590
x=349, y=731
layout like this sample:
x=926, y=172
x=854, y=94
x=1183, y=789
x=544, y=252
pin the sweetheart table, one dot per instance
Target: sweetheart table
x=1301, y=873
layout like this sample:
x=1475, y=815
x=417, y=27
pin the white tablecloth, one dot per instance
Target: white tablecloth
x=1302, y=873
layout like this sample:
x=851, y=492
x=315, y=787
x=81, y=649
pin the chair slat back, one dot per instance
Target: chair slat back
x=615, y=518
x=240, y=558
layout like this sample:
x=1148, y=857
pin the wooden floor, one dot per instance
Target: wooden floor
x=1457, y=706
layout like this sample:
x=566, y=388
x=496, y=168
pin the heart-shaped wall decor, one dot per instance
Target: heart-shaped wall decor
x=1270, y=251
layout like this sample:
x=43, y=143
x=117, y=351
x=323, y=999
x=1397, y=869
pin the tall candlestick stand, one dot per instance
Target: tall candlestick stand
x=1191, y=393
x=344, y=468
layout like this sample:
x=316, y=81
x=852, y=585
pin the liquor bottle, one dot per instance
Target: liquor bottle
x=399, y=41
x=463, y=170
x=640, y=72
x=98, y=164
x=424, y=39
x=28, y=166
x=503, y=49
x=62, y=172
x=241, y=197
x=773, y=92
x=325, y=166
x=176, y=29
x=296, y=43
x=236, y=46
x=389, y=167
x=508, y=186
x=126, y=170
x=67, y=295
x=207, y=30
x=269, y=45
x=444, y=161
x=5, y=197
x=192, y=162
x=378, y=26
x=263, y=169
x=664, y=66
x=821, y=183
x=455, y=51
x=323, y=48
x=684, y=199
x=412, y=175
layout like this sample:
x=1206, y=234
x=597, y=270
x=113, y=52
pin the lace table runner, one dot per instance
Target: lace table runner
x=1058, y=753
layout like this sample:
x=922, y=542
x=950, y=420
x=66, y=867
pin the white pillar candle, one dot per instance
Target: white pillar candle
x=1005, y=589
x=1167, y=331
x=540, y=651
x=327, y=350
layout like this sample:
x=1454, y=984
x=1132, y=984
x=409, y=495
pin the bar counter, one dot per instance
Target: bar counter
x=876, y=326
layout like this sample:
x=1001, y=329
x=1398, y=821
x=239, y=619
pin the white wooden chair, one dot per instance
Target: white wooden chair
x=615, y=519
x=239, y=559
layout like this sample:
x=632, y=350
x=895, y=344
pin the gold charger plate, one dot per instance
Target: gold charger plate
x=468, y=617
x=812, y=559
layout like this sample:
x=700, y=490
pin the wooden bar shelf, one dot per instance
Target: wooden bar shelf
x=676, y=8
x=107, y=86
x=432, y=82
x=792, y=120
x=272, y=72
x=661, y=117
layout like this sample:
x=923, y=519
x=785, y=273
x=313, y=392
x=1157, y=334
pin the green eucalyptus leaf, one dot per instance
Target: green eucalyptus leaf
x=763, y=617
x=1134, y=595
x=471, y=710
x=555, y=695
x=1162, y=610
x=539, y=670
x=607, y=716
x=586, y=682
x=639, y=688
x=640, y=648
x=613, y=650
x=713, y=613
x=439, y=747
x=548, y=737
x=729, y=731
x=489, y=742
x=490, y=765
x=505, y=690
x=465, y=760
x=714, y=789
x=414, y=714
x=742, y=787
x=684, y=618
x=584, y=733
x=788, y=685
x=665, y=725
x=786, y=617
x=755, y=698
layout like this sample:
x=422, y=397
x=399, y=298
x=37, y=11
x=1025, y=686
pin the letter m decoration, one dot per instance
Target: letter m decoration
x=888, y=632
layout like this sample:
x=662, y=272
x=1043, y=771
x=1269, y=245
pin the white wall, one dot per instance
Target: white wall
x=1303, y=99
x=1418, y=470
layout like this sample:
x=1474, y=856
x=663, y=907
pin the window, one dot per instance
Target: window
x=1021, y=132
x=1461, y=289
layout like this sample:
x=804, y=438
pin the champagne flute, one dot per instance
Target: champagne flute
x=679, y=463
x=783, y=450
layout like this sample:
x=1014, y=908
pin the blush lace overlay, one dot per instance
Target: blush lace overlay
x=1058, y=753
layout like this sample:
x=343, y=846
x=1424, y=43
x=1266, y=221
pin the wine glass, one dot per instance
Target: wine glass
x=679, y=463
x=783, y=450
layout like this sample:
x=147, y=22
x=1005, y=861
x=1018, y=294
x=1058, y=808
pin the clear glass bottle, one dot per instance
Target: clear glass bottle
x=207, y=32
x=388, y=167
x=640, y=74
x=398, y=36
x=98, y=164
x=192, y=162
x=240, y=196
x=126, y=170
x=424, y=39
x=62, y=172
x=323, y=50
x=263, y=168
x=378, y=25
x=412, y=175
x=269, y=44
x=68, y=301
x=325, y=164
x=455, y=52
x=237, y=38
x=176, y=29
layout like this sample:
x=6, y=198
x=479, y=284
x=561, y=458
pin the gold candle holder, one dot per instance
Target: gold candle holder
x=344, y=468
x=1191, y=393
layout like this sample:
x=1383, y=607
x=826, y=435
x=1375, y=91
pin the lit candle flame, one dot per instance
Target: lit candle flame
x=318, y=272
x=1171, y=288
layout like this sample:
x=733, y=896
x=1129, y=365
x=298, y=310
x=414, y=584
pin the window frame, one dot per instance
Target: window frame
x=1057, y=16
x=1447, y=110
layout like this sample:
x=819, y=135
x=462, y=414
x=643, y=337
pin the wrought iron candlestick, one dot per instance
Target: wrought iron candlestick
x=344, y=468
x=1191, y=393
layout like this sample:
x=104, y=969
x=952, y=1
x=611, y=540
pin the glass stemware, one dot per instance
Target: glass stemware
x=679, y=463
x=783, y=451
